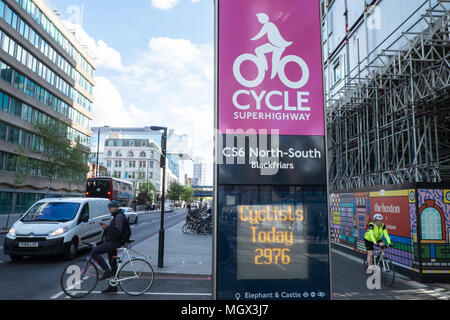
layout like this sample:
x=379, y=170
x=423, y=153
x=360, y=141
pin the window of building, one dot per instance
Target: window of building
x=130, y=154
x=2, y=131
x=337, y=74
x=2, y=9
x=143, y=154
x=118, y=154
x=431, y=222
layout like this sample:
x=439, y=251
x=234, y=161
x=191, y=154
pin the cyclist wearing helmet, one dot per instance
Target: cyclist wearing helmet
x=375, y=232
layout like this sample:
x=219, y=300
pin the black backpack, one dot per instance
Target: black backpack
x=126, y=233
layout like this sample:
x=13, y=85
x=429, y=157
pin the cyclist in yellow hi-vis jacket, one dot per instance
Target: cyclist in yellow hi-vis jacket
x=375, y=232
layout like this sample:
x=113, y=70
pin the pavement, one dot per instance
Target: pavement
x=184, y=254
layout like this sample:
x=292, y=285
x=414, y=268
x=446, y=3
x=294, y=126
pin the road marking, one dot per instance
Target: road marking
x=57, y=295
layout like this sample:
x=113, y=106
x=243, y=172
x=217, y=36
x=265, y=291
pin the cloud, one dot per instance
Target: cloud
x=109, y=108
x=105, y=56
x=165, y=4
x=170, y=83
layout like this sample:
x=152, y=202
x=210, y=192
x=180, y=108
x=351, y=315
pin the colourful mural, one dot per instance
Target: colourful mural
x=414, y=218
x=434, y=216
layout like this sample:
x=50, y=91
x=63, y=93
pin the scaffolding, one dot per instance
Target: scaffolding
x=392, y=126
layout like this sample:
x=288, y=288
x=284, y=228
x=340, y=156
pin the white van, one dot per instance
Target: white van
x=57, y=226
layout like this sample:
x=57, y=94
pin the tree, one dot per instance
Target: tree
x=149, y=188
x=18, y=164
x=174, y=191
x=62, y=159
x=188, y=194
x=142, y=198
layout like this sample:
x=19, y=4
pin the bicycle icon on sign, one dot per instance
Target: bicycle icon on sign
x=277, y=45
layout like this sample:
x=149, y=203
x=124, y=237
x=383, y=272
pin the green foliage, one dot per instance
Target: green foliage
x=175, y=190
x=19, y=165
x=146, y=193
x=62, y=158
x=188, y=194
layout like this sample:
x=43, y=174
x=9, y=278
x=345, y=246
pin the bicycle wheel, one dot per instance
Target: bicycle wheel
x=191, y=227
x=207, y=228
x=136, y=276
x=79, y=278
x=387, y=272
x=185, y=228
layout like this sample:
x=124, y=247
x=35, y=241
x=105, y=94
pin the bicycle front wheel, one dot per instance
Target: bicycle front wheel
x=387, y=272
x=136, y=276
x=79, y=278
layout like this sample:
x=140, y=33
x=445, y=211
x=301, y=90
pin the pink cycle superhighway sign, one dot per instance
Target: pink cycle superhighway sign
x=270, y=67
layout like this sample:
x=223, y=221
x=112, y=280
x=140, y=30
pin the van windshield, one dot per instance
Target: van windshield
x=52, y=211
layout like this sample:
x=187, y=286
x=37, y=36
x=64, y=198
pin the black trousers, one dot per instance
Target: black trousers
x=110, y=248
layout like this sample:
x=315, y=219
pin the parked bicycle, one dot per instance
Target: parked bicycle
x=198, y=221
x=385, y=265
x=134, y=274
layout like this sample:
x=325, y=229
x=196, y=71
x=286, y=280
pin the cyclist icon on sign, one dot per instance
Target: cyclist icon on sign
x=277, y=45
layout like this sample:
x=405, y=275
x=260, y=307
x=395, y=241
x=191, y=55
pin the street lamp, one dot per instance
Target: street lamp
x=97, y=171
x=163, y=166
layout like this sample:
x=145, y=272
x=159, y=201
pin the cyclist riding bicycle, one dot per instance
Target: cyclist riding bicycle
x=112, y=242
x=376, y=229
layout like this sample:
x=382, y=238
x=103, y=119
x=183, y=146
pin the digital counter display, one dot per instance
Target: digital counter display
x=271, y=242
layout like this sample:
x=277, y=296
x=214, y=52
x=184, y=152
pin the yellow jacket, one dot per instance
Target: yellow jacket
x=375, y=233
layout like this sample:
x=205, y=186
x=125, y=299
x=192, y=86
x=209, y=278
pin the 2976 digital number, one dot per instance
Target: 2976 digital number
x=272, y=256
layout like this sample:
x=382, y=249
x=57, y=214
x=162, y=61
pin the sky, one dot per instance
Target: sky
x=155, y=63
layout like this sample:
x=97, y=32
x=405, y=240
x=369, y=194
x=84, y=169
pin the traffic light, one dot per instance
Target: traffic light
x=162, y=162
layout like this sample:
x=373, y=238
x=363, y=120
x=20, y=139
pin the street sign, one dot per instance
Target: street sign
x=271, y=176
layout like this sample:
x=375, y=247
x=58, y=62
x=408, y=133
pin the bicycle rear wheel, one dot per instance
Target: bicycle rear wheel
x=136, y=276
x=387, y=272
x=79, y=278
x=191, y=227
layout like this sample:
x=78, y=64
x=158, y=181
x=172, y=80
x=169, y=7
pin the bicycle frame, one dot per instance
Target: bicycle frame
x=121, y=261
x=384, y=266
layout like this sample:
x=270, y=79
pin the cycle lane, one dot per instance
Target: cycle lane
x=349, y=282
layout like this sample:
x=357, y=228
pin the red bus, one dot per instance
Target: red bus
x=110, y=188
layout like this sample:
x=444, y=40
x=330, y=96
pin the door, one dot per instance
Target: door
x=90, y=230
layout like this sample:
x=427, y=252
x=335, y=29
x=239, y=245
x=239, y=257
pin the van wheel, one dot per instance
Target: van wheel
x=72, y=250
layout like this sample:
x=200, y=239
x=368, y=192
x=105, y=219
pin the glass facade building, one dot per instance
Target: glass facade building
x=46, y=77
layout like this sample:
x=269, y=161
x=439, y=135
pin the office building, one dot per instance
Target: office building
x=199, y=178
x=46, y=77
x=179, y=149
